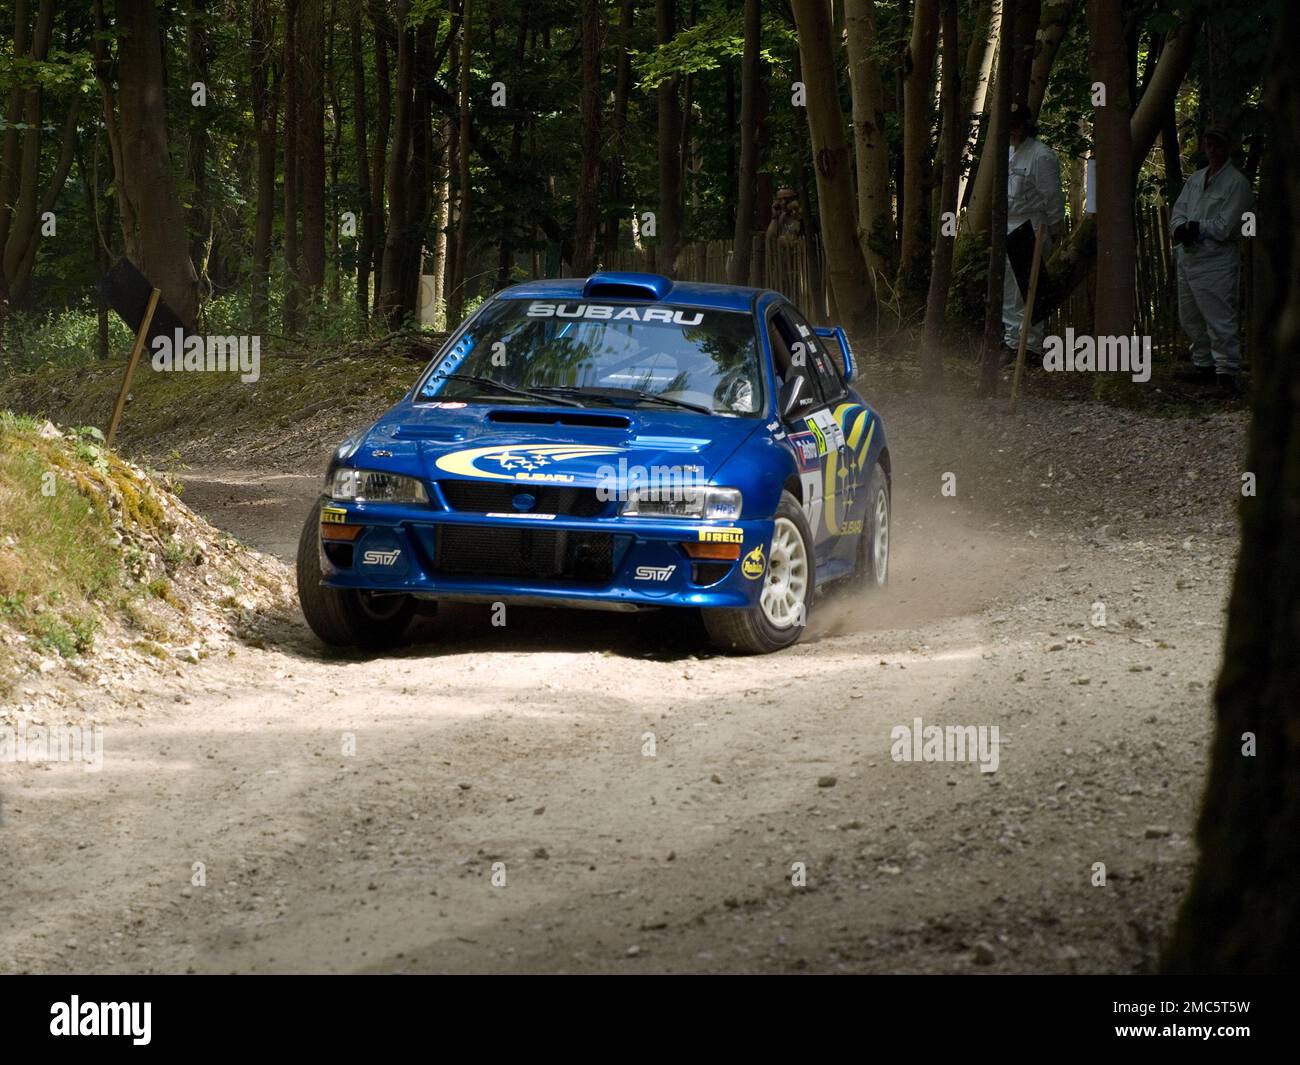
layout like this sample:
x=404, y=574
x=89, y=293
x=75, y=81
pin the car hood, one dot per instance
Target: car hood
x=566, y=445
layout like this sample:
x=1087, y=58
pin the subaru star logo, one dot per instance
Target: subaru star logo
x=523, y=501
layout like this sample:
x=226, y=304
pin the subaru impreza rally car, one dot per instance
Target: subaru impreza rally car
x=621, y=442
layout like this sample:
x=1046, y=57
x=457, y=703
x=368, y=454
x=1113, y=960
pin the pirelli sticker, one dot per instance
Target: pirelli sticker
x=728, y=535
x=333, y=515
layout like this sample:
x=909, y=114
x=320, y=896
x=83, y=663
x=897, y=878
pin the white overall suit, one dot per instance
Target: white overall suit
x=1033, y=196
x=1208, y=269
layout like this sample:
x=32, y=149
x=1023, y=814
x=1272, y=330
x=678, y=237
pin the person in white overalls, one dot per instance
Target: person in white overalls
x=1034, y=196
x=1206, y=223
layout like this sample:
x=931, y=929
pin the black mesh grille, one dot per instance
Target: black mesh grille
x=483, y=551
x=486, y=497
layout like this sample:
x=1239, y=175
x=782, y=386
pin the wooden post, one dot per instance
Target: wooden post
x=1028, y=319
x=131, y=364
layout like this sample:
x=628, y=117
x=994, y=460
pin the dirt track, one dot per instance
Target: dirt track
x=525, y=745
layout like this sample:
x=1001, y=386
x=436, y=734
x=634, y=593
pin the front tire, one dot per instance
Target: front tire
x=344, y=617
x=786, y=600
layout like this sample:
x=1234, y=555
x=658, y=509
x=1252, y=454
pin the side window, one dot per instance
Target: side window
x=819, y=357
x=793, y=355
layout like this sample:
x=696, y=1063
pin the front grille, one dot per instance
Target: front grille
x=490, y=551
x=487, y=497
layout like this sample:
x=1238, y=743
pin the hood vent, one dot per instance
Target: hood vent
x=542, y=417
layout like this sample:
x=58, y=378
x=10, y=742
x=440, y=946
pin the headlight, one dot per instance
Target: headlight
x=372, y=486
x=704, y=503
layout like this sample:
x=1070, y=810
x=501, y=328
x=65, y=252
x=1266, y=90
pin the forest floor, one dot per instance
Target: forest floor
x=519, y=754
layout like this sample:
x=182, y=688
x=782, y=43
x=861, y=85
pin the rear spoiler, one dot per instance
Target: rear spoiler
x=836, y=333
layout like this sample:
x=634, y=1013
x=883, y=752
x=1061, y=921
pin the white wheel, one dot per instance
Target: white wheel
x=782, y=606
x=880, y=539
x=786, y=585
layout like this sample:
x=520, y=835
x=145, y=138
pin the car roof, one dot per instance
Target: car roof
x=638, y=287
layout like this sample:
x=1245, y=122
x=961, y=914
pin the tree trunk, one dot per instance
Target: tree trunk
x=264, y=121
x=456, y=302
x=197, y=162
x=668, y=229
x=846, y=267
x=584, y=237
x=311, y=139
x=1242, y=912
x=1073, y=260
x=953, y=136
x=379, y=150
x=442, y=216
x=360, y=109
x=1021, y=67
x=914, y=261
x=1107, y=65
x=870, y=143
x=748, y=181
x=998, y=145
x=975, y=84
x=292, y=309
x=153, y=220
x=614, y=208
x=1053, y=24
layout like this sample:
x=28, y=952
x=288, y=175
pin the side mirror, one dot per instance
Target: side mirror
x=792, y=389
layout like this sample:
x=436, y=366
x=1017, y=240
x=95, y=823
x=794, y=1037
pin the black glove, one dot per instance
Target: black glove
x=1193, y=234
x=1180, y=233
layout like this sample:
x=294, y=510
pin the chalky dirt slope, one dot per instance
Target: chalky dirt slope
x=591, y=792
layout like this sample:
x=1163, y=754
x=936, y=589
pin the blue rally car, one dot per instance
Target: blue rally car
x=621, y=443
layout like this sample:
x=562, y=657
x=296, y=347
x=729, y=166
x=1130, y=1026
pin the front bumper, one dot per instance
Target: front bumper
x=602, y=563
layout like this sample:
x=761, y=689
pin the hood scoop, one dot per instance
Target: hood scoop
x=442, y=433
x=568, y=417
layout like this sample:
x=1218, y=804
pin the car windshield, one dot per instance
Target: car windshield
x=604, y=352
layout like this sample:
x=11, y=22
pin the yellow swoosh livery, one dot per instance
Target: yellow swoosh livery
x=516, y=462
x=852, y=436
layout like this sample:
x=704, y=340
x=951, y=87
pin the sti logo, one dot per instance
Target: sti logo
x=380, y=558
x=654, y=573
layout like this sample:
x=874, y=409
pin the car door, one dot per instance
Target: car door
x=811, y=430
x=844, y=423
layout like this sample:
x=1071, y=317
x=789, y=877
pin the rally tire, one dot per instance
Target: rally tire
x=751, y=631
x=343, y=617
x=872, y=570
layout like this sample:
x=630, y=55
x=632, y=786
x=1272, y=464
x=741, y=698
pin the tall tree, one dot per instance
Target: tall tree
x=954, y=130
x=1242, y=912
x=360, y=111
x=998, y=151
x=616, y=171
x=870, y=141
x=914, y=259
x=264, y=97
x=311, y=140
x=1024, y=19
x=1073, y=260
x=669, y=222
x=22, y=201
x=1116, y=257
x=291, y=310
x=584, y=238
x=153, y=220
x=746, y=191
x=198, y=159
x=975, y=81
x=845, y=266
x=456, y=301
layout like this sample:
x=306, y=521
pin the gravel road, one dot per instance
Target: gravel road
x=598, y=793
